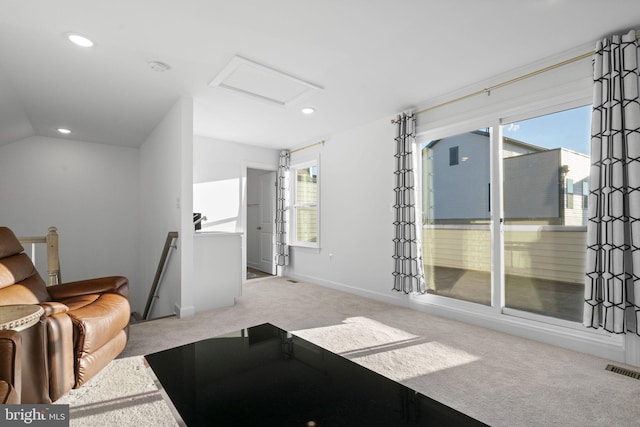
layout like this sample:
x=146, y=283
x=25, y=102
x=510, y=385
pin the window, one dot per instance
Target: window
x=305, y=224
x=527, y=254
x=585, y=196
x=453, y=156
x=569, y=193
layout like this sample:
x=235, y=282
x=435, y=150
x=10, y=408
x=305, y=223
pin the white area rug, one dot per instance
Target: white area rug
x=122, y=394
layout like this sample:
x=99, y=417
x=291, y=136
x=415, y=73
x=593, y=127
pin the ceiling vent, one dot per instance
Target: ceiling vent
x=262, y=83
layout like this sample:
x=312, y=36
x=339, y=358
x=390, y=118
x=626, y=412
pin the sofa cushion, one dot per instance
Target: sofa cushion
x=16, y=268
x=9, y=243
x=29, y=291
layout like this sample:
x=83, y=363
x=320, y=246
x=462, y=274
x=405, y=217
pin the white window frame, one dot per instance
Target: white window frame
x=293, y=232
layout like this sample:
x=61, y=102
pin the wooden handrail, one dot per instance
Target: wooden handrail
x=161, y=266
x=54, y=276
x=32, y=240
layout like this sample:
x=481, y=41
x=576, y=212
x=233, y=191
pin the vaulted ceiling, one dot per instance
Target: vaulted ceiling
x=362, y=60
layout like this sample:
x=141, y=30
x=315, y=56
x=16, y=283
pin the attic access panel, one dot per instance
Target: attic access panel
x=262, y=83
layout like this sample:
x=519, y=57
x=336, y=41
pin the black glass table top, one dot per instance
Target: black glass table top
x=265, y=376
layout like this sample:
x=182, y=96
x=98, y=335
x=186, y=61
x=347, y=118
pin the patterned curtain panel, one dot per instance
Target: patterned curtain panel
x=612, y=284
x=282, y=210
x=408, y=273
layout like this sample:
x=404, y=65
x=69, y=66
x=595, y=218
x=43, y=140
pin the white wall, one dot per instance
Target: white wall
x=165, y=205
x=564, y=84
x=13, y=120
x=89, y=191
x=356, y=195
x=219, y=178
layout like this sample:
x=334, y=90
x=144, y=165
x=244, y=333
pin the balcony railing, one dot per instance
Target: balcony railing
x=545, y=252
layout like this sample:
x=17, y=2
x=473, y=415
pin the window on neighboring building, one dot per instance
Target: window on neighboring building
x=305, y=218
x=585, y=196
x=453, y=156
x=569, y=193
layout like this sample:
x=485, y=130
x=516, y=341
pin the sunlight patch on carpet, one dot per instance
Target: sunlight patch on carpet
x=393, y=352
x=416, y=360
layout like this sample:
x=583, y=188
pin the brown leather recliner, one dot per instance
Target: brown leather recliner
x=10, y=367
x=86, y=321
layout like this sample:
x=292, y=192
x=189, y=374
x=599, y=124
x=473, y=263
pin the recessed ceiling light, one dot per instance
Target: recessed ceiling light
x=79, y=40
x=308, y=110
x=64, y=131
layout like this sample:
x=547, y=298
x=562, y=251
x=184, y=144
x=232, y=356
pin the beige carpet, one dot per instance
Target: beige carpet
x=497, y=378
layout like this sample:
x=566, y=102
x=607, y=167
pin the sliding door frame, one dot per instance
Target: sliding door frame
x=563, y=333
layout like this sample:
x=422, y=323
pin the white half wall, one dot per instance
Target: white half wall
x=88, y=191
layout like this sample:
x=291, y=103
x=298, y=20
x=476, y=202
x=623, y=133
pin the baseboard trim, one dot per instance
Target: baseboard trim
x=398, y=299
x=183, y=312
x=588, y=342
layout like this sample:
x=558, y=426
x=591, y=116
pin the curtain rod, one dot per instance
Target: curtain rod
x=489, y=89
x=307, y=146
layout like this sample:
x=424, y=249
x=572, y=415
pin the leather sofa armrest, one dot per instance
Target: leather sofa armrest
x=8, y=394
x=112, y=284
x=11, y=363
x=51, y=308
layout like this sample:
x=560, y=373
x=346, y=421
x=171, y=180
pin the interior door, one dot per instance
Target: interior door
x=253, y=234
x=266, y=222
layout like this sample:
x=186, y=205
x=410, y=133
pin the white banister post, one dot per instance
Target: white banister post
x=53, y=259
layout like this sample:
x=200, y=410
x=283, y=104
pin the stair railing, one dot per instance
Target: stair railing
x=153, y=292
x=54, y=276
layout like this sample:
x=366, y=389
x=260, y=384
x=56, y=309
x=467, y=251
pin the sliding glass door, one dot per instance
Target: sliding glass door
x=457, y=216
x=545, y=163
x=530, y=247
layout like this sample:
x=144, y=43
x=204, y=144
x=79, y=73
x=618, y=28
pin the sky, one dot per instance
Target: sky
x=567, y=129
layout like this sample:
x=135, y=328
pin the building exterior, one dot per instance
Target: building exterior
x=541, y=186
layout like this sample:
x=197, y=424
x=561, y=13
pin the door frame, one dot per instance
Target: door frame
x=245, y=166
